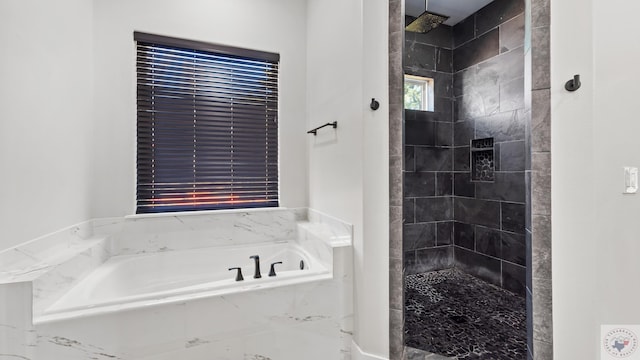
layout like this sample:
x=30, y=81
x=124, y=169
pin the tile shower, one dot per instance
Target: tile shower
x=464, y=174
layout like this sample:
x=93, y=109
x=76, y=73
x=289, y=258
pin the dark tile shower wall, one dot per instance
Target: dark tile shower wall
x=428, y=165
x=431, y=55
x=428, y=190
x=488, y=86
x=449, y=218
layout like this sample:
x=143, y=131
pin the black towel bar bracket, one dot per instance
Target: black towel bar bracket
x=315, y=131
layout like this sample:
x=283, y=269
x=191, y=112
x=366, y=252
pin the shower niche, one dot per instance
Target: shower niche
x=483, y=160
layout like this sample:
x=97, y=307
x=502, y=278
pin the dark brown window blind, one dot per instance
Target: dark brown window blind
x=207, y=126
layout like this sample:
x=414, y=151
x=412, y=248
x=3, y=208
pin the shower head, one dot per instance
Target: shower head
x=426, y=22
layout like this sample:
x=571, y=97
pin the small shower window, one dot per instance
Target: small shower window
x=418, y=93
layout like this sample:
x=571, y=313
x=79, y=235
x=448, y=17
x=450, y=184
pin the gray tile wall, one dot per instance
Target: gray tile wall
x=428, y=192
x=428, y=156
x=396, y=143
x=538, y=180
x=538, y=234
x=431, y=55
x=488, y=85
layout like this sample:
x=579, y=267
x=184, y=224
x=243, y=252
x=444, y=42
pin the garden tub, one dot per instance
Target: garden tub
x=132, y=281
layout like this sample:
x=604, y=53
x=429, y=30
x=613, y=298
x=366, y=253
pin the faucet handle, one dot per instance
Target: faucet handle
x=272, y=271
x=238, y=274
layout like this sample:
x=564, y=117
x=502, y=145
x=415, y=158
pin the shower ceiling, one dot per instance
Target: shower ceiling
x=457, y=10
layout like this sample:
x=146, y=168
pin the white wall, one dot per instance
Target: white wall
x=275, y=26
x=616, y=144
x=373, y=307
x=594, y=134
x=348, y=168
x=573, y=182
x=334, y=93
x=46, y=77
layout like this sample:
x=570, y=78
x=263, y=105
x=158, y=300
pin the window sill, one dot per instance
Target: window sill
x=200, y=213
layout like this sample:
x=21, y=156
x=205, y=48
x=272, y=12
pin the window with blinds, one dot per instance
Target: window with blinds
x=207, y=126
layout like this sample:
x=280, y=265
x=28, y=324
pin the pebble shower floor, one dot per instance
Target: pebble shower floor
x=456, y=315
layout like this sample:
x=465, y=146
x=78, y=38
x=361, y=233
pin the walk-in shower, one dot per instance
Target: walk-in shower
x=464, y=199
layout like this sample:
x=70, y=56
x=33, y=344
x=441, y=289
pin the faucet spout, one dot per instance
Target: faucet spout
x=256, y=259
x=238, y=274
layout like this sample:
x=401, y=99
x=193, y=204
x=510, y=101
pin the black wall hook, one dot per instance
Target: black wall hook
x=573, y=84
x=375, y=105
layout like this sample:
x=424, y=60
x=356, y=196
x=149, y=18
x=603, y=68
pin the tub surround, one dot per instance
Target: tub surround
x=278, y=319
x=19, y=337
x=144, y=234
x=33, y=273
x=31, y=259
x=54, y=263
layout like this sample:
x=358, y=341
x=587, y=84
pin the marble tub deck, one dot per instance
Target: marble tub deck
x=311, y=320
x=457, y=316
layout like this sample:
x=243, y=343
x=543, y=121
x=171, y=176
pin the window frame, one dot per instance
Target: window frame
x=427, y=85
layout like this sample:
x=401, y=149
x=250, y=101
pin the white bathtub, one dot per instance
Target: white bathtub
x=158, y=288
x=133, y=281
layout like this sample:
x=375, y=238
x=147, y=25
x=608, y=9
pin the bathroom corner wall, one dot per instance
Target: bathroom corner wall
x=47, y=117
x=488, y=65
x=428, y=156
